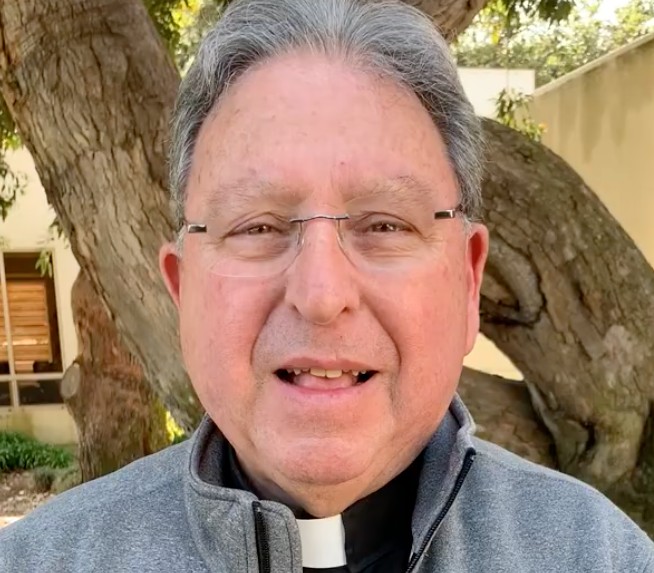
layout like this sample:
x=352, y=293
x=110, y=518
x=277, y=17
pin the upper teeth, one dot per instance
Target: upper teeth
x=324, y=373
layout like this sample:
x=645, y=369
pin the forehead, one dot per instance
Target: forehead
x=301, y=126
x=394, y=193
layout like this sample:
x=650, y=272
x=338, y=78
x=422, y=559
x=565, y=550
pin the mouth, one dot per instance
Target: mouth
x=321, y=378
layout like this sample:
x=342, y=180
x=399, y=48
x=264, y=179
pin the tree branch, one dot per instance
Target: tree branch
x=451, y=16
x=504, y=415
x=570, y=300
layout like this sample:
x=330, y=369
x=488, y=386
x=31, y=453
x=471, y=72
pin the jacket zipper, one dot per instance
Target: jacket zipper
x=467, y=463
x=260, y=534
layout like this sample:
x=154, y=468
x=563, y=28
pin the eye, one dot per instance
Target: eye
x=383, y=223
x=387, y=227
x=262, y=226
x=260, y=229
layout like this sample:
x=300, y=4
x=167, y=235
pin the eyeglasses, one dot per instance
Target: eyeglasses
x=373, y=241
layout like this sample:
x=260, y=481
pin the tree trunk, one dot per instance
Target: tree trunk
x=566, y=295
x=119, y=419
x=90, y=86
x=504, y=415
x=570, y=299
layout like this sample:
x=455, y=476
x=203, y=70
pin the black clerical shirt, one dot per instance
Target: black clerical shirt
x=377, y=528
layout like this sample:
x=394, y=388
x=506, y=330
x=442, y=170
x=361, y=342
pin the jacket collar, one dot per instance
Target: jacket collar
x=222, y=520
x=444, y=459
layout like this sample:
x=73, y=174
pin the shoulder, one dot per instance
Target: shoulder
x=111, y=506
x=555, y=509
x=126, y=488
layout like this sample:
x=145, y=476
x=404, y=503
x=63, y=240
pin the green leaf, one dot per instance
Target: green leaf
x=19, y=452
x=552, y=37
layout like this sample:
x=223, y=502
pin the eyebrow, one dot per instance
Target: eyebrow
x=401, y=191
x=241, y=193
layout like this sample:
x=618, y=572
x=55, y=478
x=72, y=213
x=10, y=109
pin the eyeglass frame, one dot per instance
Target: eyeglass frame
x=197, y=228
x=201, y=228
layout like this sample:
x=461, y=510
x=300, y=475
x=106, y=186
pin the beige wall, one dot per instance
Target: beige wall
x=51, y=424
x=483, y=85
x=26, y=229
x=600, y=119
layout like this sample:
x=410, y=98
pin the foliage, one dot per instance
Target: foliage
x=43, y=479
x=182, y=23
x=195, y=21
x=56, y=480
x=44, y=263
x=56, y=230
x=551, y=48
x=11, y=184
x=547, y=35
x=163, y=14
x=20, y=452
x=175, y=433
x=8, y=134
x=512, y=110
x=510, y=13
x=66, y=478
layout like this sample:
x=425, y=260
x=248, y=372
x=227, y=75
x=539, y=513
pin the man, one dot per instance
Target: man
x=326, y=169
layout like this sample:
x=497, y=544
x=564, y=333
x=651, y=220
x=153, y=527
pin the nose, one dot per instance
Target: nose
x=321, y=283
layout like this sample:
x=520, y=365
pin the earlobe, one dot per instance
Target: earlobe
x=169, y=265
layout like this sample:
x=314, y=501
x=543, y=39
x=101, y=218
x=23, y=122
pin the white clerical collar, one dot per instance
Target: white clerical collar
x=323, y=542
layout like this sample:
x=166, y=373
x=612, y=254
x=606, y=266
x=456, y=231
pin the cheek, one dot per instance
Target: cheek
x=219, y=323
x=426, y=319
x=441, y=321
x=426, y=311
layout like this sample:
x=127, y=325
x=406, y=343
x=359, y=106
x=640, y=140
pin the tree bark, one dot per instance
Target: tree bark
x=566, y=295
x=118, y=417
x=570, y=299
x=504, y=415
x=90, y=86
x=451, y=16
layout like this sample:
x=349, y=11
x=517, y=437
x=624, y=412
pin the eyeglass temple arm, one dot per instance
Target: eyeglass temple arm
x=448, y=213
x=196, y=228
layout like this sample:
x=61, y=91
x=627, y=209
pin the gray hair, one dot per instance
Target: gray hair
x=388, y=37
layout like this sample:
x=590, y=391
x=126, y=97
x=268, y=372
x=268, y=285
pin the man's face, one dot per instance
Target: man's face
x=306, y=136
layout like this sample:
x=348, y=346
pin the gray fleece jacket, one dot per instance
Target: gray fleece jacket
x=479, y=509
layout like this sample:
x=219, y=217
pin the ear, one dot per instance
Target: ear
x=476, y=254
x=170, y=266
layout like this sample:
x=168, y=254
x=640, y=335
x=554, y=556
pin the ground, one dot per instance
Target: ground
x=18, y=496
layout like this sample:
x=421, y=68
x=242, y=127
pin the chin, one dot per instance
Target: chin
x=325, y=462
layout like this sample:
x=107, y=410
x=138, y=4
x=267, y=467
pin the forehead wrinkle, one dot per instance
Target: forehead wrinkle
x=248, y=192
x=402, y=191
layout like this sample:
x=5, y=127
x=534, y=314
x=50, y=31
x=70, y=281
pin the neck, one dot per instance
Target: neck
x=347, y=525
x=308, y=499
